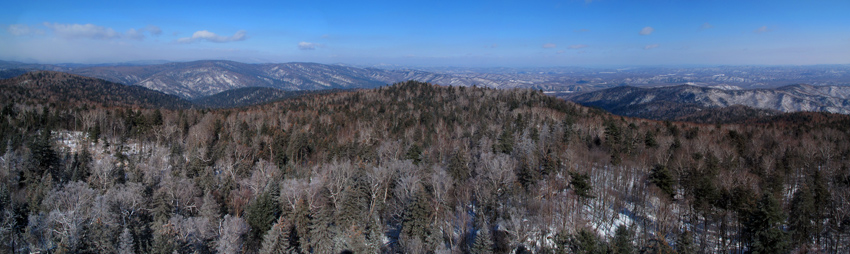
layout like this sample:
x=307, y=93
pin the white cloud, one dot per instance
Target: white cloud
x=308, y=45
x=761, y=29
x=212, y=37
x=138, y=34
x=578, y=46
x=91, y=31
x=135, y=34
x=87, y=31
x=21, y=30
x=705, y=26
x=647, y=30
x=650, y=46
x=154, y=30
x=549, y=45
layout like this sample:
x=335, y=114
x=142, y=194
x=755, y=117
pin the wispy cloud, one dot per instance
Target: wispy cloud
x=80, y=31
x=22, y=30
x=762, y=29
x=560, y=51
x=205, y=35
x=647, y=30
x=308, y=45
x=494, y=45
x=139, y=34
x=89, y=31
x=582, y=30
x=549, y=45
x=650, y=46
x=705, y=26
x=154, y=30
x=578, y=46
x=135, y=34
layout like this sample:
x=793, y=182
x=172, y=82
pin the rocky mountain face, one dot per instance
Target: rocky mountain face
x=676, y=101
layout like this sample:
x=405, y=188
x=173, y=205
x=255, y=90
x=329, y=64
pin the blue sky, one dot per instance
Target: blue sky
x=431, y=33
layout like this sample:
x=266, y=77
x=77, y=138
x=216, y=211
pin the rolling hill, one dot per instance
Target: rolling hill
x=60, y=87
x=241, y=97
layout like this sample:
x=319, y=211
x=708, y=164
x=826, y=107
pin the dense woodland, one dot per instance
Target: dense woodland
x=417, y=168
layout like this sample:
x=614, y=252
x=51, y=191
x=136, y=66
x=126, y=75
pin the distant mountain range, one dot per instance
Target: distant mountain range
x=216, y=83
x=192, y=80
x=685, y=101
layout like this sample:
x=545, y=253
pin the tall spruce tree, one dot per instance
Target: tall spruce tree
x=764, y=227
x=623, y=241
x=483, y=243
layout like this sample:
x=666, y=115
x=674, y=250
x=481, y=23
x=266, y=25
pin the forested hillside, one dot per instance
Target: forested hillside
x=50, y=87
x=242, y=97
x=417, y=168
x=688, y=102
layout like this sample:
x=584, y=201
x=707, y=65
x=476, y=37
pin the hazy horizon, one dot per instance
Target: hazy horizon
x=430, y=34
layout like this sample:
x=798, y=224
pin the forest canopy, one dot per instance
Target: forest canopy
x=416, y=168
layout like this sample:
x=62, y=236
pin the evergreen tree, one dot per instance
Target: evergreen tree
x=685, y=243
x=822, y=202
x=80, y=169
x=276, y=240
x=581, y=184
x=42, y=154
x=586, y=242
x=568, y=129
x=210, y=209
x=156, y=118
x=483, y=243
x=763, y=227
x=623, y=241
x=505, y=143
x=613, y=135
x=125, y=242
x=649, y=140
x=355, y=203
x=301, y=221
x=414, y=153
x=801, y=220
x=322, y=231
x=262, y=213
x=526, y=175
x=662, y=178
x=417, y=216
x=458, y=167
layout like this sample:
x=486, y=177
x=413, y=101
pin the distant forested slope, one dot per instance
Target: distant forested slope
x=248, y=96
x=63, y=88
